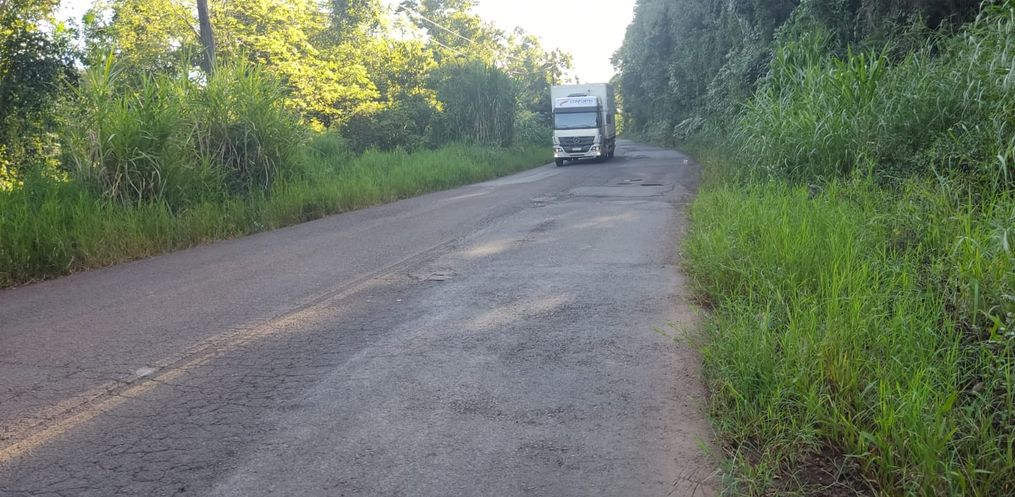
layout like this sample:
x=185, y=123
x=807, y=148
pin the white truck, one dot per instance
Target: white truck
x=584, y=122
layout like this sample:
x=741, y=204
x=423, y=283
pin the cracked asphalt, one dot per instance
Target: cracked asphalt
x=514, y=337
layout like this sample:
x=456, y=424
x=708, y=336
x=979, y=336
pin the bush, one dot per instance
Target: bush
x=242, y=129
x=158, y=137
x=405, y=124
x=126, y=142
x=532, y=128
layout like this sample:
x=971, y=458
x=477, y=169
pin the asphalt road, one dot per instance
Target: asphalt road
x=506, y=338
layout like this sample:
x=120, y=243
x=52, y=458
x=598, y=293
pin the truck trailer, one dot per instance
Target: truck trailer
x=584, y=122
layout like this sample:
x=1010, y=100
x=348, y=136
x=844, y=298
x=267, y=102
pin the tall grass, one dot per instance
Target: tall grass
x=51, y=228
x=848, y=320
x=944, y=109
x=338, y=182
x=856, y=248
x=169, y=137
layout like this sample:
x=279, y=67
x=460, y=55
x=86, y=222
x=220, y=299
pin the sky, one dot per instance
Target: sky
x=590, y=30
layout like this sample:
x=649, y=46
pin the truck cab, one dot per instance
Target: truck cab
x=584, y=125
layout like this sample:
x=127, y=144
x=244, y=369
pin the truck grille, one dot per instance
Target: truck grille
x=576, y=143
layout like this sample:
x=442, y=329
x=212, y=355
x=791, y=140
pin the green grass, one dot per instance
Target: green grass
x=854, y=241
x=946, y=109
x=861, y=321
x=50, y=228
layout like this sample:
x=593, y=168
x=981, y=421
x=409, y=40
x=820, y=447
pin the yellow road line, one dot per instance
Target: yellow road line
x=92, y=404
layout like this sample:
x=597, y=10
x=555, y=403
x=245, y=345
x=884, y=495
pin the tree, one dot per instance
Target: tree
x=455, y=30
x=335, y=59
x=34, y=66
x=326, y=79
x=31, y=61
x=688, y=63
x=146, y=35
x=534, y=70
x=355, y=18
x=207, y=36
x=397, y=67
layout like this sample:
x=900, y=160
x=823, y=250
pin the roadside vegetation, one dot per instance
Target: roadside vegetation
x=141, y=130
x=853, y=242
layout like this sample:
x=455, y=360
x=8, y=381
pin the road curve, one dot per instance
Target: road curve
x=505, y=338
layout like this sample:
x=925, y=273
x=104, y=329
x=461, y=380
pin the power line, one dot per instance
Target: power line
x=449, y=30
x=435, y=23
x=458, y=52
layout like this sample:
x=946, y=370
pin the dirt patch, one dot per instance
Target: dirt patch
x=828, y=472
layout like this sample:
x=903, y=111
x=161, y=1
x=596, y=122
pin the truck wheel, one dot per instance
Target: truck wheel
x=560, y=162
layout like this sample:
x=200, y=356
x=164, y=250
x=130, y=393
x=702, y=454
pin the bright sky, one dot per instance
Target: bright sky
x=589, y=30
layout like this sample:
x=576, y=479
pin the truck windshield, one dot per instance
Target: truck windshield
x=576, y=120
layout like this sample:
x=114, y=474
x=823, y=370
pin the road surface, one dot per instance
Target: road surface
x=506, y=338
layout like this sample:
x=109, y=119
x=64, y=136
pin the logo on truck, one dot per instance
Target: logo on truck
x=577, y=102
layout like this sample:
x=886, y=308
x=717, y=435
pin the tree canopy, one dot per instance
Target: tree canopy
x=35, y=63
x=687, y=62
